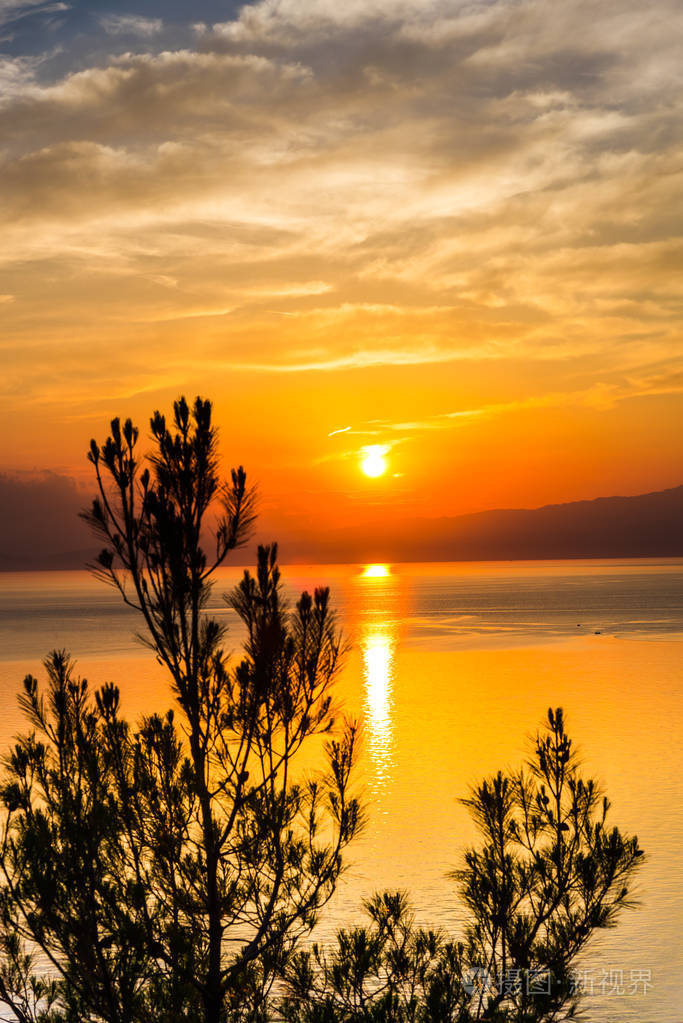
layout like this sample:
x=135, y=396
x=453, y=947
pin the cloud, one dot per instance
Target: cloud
x=12, y=11
x=40, y=524
x=130, y=24
x=287, y=22
x=340, y=187
x=17, y=74
x=647, y=381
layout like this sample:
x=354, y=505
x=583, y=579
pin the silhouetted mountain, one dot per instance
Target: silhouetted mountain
x=649, y=525
x=40, y=529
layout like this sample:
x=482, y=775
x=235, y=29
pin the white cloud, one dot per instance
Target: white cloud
x=15, y=10
x=130, y=24
x=290, y=21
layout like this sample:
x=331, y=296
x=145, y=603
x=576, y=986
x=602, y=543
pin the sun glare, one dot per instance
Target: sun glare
x=376, y=572
x=374, y=463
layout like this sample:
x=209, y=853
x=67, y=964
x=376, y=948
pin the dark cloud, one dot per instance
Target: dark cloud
x=40, y=524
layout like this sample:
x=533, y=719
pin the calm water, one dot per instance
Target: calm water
x=451, y=670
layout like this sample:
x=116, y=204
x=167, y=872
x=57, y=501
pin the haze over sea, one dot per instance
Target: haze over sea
x=450, y=671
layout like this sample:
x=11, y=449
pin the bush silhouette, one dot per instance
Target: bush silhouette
x=547, y=875
x=166, y=872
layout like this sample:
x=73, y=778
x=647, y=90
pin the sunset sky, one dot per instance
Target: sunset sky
x=448, y=230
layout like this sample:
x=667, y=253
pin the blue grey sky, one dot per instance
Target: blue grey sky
x=70, y=33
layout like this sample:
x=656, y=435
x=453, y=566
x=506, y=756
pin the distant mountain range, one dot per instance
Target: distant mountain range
x=649, y=525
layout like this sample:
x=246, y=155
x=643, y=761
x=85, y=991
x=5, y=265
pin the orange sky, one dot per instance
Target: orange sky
x=453, y=229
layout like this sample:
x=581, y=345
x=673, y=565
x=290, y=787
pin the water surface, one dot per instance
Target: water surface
x=450, y=671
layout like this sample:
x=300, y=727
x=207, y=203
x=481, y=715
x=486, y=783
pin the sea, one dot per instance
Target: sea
x=450, y=671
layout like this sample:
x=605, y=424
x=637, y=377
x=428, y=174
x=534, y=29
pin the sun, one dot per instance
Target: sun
x=374, y=463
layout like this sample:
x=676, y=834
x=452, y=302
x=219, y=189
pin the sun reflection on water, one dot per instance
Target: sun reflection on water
x=376, y=572
x=378, y=641
x=378, y=669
